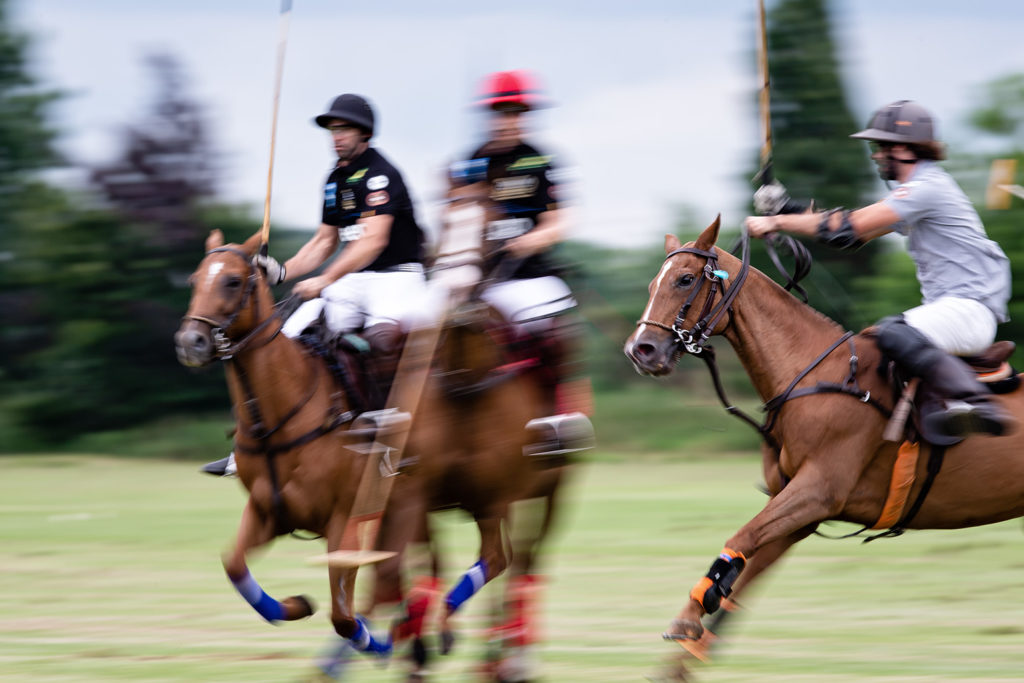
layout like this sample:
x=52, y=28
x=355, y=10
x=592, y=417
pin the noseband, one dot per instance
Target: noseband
x=225, y=347
x=694, y=339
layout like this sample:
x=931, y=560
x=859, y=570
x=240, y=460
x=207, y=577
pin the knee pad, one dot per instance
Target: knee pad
x=384, y=338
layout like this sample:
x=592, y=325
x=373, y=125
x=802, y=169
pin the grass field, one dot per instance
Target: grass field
x=110, y=571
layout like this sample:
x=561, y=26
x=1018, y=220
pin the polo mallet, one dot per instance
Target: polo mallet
x=282, y=41
x=764, y=176
x=360, y=534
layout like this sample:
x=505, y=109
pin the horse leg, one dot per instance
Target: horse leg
x=342, y=583
x=255, y=530
x=765, y=558
x=808, y=499
x=516, y=636
x=492, y=562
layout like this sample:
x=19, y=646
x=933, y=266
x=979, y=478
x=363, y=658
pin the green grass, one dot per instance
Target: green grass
x=110, y=571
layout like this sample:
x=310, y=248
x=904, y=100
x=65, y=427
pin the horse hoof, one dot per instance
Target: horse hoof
x=683, y=629
x=419, y=653
x=298, y=607
x=447, y=641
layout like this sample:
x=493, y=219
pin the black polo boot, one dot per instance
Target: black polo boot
x=965, y=405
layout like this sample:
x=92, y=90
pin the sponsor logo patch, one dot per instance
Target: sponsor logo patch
x=377, y=198
x=350, y=232
x=330, y=195
x=529, y=162
x=348, y=199
x=377, y=182
x=507, y=228
x=513, y=188
x=357, y=176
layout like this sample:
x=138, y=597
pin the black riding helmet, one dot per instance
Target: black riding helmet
x=348, y=107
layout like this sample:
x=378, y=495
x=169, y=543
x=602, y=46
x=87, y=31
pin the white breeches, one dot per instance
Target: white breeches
x=361, y=300
x=962, y=327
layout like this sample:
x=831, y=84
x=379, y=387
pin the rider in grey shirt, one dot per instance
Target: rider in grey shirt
x=964, y=276
x=947, y=241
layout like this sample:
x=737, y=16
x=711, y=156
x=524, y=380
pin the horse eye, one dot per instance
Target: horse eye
x=233, y=282
x=685, y=280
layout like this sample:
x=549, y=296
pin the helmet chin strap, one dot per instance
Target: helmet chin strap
x=889, y=172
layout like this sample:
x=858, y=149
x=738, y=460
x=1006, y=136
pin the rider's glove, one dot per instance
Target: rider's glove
x=771, y=199
x=274, y=270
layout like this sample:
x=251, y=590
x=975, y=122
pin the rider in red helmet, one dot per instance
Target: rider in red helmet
x=529, y=291
x=964, y=276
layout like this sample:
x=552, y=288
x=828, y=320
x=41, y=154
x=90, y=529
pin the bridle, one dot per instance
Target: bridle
x=694, y=339
x=224, y=347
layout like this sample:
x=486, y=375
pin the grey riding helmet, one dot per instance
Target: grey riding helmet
x=904, y=122
x=351, y=108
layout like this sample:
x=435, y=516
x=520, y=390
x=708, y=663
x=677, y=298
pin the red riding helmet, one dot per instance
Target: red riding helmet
x=510, y=91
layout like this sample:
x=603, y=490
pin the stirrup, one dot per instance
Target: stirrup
x=375, y=424
x=558, y=436
x=961, y=418
x=225, y=467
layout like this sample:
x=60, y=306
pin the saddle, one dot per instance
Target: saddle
x=362, y=369
x=992, y=366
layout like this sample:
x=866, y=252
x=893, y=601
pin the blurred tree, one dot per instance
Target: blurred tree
x=167, y=165
x=1000, y=114
x=26, y=148
x=108, y=279
x=813, y=154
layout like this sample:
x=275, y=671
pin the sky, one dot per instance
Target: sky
x=655, y=99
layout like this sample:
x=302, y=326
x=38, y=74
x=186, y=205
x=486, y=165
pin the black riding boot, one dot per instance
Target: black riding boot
x=968, y=404
x=385, y=341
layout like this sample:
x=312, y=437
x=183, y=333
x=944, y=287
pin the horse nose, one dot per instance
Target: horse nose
x=194, y=348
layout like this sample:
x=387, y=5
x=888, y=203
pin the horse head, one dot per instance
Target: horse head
x=682, y=312
x=230, y=301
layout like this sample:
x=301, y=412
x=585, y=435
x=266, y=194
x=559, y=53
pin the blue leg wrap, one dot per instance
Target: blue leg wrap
x=267, y=607
x=472, y=581
x=364, y=641
x=335, y=657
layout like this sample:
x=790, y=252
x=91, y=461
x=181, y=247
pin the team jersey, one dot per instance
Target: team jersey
x=523, y=183
x=946, y=240
x=371, y=186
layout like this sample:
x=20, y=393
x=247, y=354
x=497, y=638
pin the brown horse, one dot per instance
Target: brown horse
x=825, y=457
x=291, y=433
x=466, y=447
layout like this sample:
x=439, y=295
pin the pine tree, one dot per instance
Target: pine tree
x=812, y=153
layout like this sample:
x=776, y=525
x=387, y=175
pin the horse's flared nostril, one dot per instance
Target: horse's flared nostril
x=644, y=350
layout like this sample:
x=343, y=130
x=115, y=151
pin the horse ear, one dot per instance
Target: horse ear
x=672, y=243
x=252, y=244
x=214, y=240
x=708, y=238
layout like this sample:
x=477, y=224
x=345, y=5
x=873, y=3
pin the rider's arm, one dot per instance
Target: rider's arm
x=356, y=255
x=313, y=253
x=361, y=252
x=864, y=224
x=549, y=231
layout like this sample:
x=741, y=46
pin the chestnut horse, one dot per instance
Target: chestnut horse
x=291, y=434
x=824, y=458
x=466, y=451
